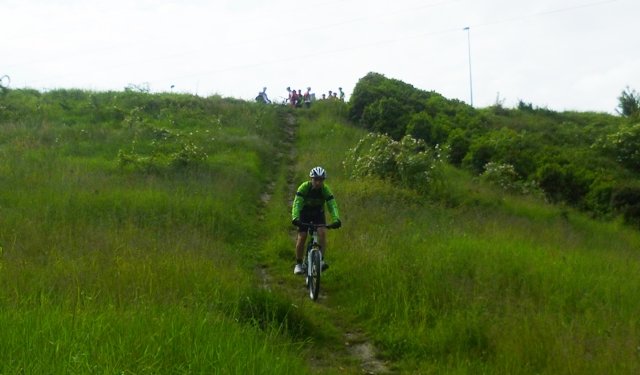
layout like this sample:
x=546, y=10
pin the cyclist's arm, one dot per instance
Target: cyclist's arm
x=298, y=202
x=332, y=205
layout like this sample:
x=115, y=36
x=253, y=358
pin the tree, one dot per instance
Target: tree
x=629, y=103
x=624, y=145
x=387, y=116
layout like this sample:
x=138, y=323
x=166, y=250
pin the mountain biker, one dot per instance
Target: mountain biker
x=262, y=97
x=308, y=206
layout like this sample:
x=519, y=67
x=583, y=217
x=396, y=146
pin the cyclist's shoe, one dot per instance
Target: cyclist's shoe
x=325, y=265
x=299, y=269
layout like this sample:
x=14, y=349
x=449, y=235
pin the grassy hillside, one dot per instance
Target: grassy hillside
x=150, y=234
x=128, y=229
x=498, y=284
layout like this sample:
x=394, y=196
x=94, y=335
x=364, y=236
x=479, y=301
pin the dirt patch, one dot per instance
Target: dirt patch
x=362, y=349
x=264, y=277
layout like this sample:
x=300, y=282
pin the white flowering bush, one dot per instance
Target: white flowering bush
x=502, y=175
x=188, y=154
x=505, y=176
x=155, y=149
x=624, y=145
x=410, y=162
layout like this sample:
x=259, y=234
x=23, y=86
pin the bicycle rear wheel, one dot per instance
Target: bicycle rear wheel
x=314, y=274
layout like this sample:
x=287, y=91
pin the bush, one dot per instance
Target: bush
x=629, y=103
x=625, y=199
x=434, y=131
x=386, y=115
x=409, y=162
x=374, y=87
x=503, y=146
x=458, y=144
x=502, y=175
x=624, y=146
x=598, y=199
x=564, y=183
x=480, y=154
x=387, y=106
x=506, y=177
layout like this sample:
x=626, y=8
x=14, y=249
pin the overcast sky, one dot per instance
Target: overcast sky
x=559, y=54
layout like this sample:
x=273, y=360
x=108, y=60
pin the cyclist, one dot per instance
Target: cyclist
x=262, y=97
x=308, y=206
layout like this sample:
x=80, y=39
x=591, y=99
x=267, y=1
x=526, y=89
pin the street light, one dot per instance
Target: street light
x=470, y=78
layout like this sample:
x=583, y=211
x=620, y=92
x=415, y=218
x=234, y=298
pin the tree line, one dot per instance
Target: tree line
x=587, y=160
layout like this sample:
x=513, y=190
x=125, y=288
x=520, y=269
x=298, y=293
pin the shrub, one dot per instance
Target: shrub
x=625, y=199
x=623, y=145
x=458, y=144
x=480, y=154
x=504, y=146
x=387, y=105
x=433, y=131
x=410, y=162
x=506, y=177
x=375, y=86
x=502, y=175
x=564, y=183
x=386, y=115
x=598, y=199
x=629, y=103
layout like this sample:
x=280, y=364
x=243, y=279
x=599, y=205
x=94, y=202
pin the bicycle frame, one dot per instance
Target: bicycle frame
x=313, y=260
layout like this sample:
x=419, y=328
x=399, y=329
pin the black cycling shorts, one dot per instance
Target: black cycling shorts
x=313, y=215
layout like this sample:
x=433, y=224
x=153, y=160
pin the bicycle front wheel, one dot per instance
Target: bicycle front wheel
x=314, y=274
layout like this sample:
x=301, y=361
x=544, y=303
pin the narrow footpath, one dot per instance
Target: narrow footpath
x=357, y=354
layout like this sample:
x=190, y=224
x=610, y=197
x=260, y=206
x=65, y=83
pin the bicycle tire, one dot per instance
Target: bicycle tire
x=314, y=274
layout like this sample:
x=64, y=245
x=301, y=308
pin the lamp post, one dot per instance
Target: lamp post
x=468, y=30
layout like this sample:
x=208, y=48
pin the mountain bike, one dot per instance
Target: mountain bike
x=312, y=262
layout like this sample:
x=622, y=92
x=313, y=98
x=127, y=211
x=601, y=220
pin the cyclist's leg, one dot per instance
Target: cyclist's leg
x=305, y=217
x=322, y=238
x=302, y=238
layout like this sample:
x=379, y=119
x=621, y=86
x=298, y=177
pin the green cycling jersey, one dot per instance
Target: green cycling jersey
x=307, y=197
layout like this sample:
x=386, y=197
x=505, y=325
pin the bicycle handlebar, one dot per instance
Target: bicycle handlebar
x=312, y=225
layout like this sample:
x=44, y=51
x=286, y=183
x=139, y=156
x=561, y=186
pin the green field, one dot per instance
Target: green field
x=146, y=233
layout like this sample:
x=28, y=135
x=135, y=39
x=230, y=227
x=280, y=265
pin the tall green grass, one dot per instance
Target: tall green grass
x=138, y=267
x=479, y=282
x=131, y=226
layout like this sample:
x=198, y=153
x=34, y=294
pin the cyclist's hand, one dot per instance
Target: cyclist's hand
x=296, y=222
x=336, y=224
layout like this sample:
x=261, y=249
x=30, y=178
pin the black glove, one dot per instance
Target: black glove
x=296, y=222
x=336, y=224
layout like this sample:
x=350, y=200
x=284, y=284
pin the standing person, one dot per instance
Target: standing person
x=299, y=101
x=341, y=94
x=293, y=98
x=330, y=95
x=307, y=97
x=308, y=207
x=290, y=95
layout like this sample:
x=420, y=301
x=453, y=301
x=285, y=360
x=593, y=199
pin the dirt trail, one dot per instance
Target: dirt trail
x=357, y=348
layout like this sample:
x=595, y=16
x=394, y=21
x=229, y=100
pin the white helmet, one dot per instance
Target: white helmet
x=318, y=172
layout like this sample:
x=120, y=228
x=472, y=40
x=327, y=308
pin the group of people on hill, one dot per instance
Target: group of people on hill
x=297, y=99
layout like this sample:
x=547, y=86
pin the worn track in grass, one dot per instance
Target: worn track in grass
x=356, y=353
